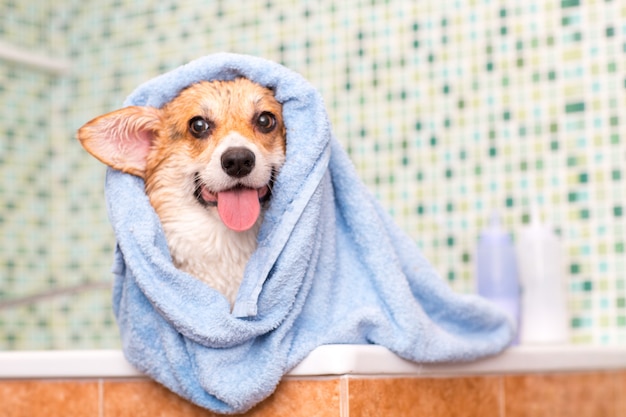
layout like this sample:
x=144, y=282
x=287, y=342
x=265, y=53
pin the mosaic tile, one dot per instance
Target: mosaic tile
x=448, y=109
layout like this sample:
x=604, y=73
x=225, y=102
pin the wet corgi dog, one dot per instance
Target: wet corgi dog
x=208, y=158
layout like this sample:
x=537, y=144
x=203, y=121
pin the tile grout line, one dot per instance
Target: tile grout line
x=502, y=397
x=344, y=396
x=101, y=397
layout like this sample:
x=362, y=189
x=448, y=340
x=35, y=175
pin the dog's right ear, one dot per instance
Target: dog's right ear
x=122, y=138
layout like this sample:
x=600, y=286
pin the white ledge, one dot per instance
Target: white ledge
x=377, y=360
x=329, y=360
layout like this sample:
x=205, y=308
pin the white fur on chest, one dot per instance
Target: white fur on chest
x=202, y=246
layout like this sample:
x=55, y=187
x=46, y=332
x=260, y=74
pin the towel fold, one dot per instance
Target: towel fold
x=331, y=267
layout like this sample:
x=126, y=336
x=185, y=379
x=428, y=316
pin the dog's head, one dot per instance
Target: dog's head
x=217, y=145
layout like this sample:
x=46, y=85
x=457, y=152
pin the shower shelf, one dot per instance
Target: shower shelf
x=35, y=60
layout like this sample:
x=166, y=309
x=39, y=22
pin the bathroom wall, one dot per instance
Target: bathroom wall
x=52, y=269
x=449, y=110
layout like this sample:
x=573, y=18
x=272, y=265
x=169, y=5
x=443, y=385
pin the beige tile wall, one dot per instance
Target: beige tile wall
x=593, y=394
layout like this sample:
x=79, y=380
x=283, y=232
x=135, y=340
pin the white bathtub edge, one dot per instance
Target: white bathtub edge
x=328, y=360
x=377, y=360
x=66, y=364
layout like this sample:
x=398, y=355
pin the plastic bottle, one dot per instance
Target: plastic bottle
x=496, y=269
x=544, y=306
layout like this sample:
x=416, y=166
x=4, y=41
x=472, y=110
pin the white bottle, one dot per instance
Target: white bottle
x=544, y=318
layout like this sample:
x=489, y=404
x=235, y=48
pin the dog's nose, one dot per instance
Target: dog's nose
x=238, y=162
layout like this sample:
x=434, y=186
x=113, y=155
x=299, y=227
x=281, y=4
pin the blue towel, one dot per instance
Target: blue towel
x=331, y=267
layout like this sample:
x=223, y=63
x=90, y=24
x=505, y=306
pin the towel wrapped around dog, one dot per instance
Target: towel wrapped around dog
x=331, y=267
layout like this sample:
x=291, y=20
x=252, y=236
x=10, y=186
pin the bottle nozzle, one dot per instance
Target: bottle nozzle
x=535, y=217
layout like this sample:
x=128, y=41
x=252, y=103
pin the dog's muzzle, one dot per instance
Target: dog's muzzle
x=239, y=207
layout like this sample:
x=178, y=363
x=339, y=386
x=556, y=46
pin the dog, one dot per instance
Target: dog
x=209, y=158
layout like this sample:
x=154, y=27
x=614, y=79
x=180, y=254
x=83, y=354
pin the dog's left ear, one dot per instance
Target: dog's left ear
x=122, y=138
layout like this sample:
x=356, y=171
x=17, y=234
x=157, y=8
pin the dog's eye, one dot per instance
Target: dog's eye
x=266, y=122
x=199, y=127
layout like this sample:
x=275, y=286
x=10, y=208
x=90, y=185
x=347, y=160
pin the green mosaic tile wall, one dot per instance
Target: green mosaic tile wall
x=449, y=109
x=54, y=279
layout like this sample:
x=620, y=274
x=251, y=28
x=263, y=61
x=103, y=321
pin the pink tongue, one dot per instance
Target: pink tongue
x=239, y=208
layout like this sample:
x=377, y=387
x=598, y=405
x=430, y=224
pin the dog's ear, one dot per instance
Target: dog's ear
x=122, y=138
